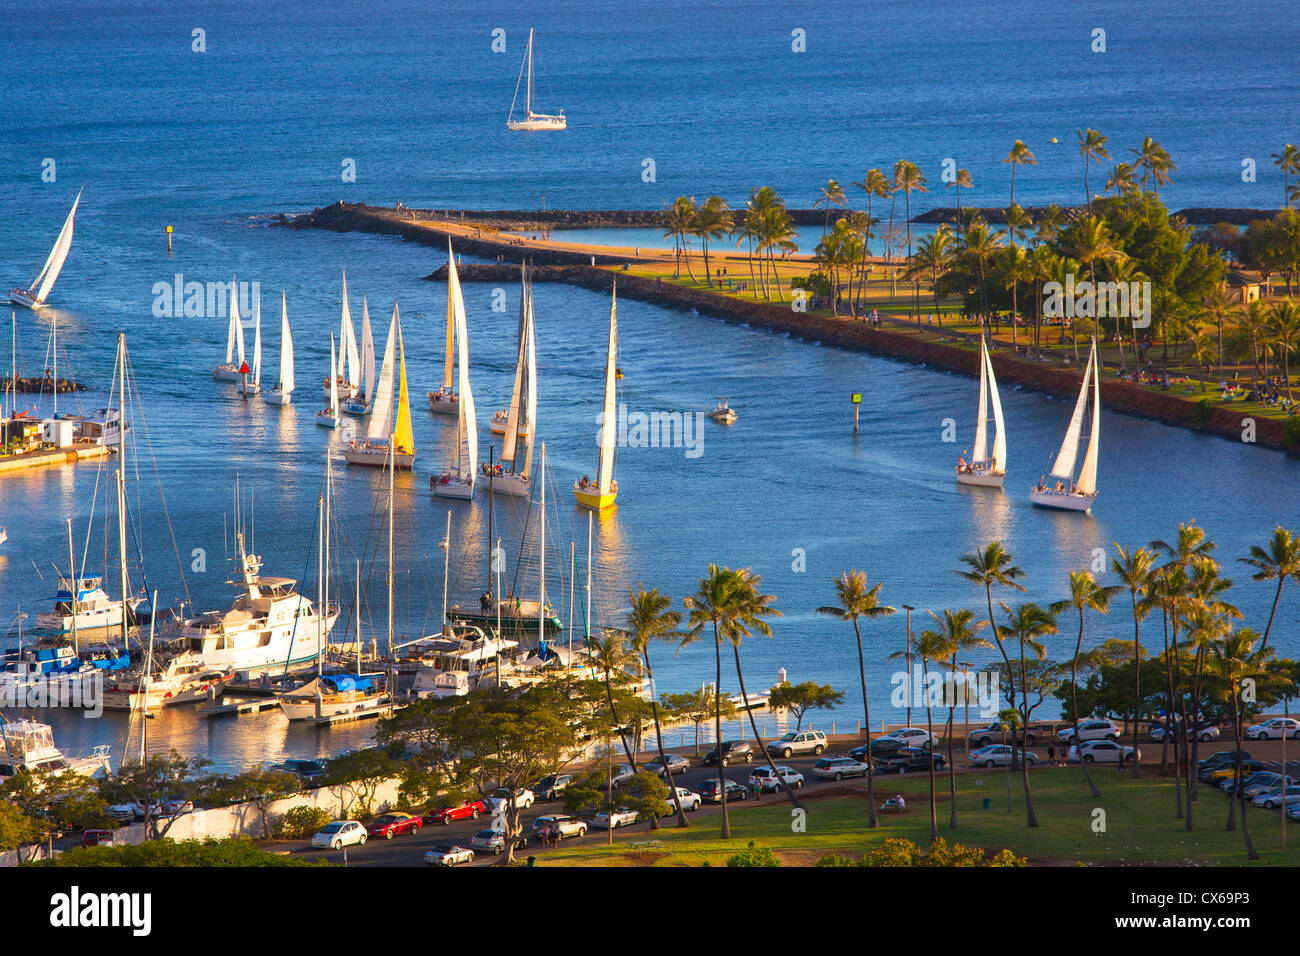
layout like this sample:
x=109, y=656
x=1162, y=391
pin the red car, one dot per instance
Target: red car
x=391, y=824
x=466, y=811
x=97, y=838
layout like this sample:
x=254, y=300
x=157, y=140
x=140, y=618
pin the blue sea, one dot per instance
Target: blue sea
x=662, y=100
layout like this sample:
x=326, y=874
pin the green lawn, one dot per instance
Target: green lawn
x=1139, y=817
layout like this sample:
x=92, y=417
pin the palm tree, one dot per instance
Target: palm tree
x=1154, y=161
x=1026, y=623
x=910, y=180
x=1019, y=156
x=894, y=187
x=1218, y=304
x=1092, y=147
x=1277, y=561
x=1136, y=573
x=1085, y=595
x=934, y=257
x=962, y=179
x=832, y=194
x=713, y=220
x=1284, y=321
x=980, y=243
x=930, y=646
x=957, y=631
x=994, y=565
x=1236, y=660
x=1015, y=268
x=650, y=617
x=681, y=219
x=857, y=600
x=875, y=185
x=610, y=651
x=731, y=603
x=1121, y=179
x=1089, y=241
x=1289, y=162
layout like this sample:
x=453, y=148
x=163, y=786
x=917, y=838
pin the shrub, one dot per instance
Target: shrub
x=755, y=855
x=300, y=822
x=1291, y=433
x=1201, y=411
x=894, y=852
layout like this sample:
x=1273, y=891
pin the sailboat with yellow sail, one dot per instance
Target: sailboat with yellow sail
x=445, y=401
x=603, y=492
x=388, y=433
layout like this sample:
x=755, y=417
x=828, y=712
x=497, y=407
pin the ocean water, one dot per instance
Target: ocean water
x=217, y=143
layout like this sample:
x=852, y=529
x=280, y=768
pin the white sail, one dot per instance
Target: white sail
x=509, y=446
x=230, y=337
x=530, y=420
x=257, y=341
x=1087, y=483
x=999, y=426
x=467, y=424
x=367, y=354
x=1063, y=469
x=334, y=382
x=605, y=468
x=982, y=417
x=451, y=321
x=44, y=280
x=380, y=427
x=286, y=349
x=349, y=365
x=235, y=322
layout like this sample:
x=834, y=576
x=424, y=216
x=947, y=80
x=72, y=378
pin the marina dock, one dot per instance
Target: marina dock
x=240, y=708
x=69, y=455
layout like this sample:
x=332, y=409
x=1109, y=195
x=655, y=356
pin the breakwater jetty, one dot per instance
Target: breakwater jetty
x=938, y=348
x=36, y=383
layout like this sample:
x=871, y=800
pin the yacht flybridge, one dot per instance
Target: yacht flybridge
x=270, y=627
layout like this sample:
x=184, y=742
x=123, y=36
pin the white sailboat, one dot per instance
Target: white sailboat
x=1060, y=488
x=444, y=400
x=34, y=295
x=603, y=492
x=233, y=367
x=460, y=484
x=389, y=429
x=532, y=122
x=254, y=385
x=521, y=422
x=282, y=394
x=329, y=417
x=361, y=401
x=984, y=471
x=346, y=371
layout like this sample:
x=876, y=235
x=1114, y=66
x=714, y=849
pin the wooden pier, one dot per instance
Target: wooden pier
x=45, y=457
x=239, y=708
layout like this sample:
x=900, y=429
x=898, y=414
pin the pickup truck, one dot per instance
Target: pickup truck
x=993, y=734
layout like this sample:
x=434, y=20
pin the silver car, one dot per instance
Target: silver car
x=800, y=742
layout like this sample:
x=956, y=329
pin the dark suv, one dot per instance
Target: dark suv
x=550, y=787
x=880, y=747
x=733, y=751
x=709, y=791
x=906, y=760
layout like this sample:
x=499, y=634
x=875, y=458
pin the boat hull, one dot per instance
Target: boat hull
x=590, y=497
x=981, y=479
x=326, y=420
x=499, y=428
x=277, y=397
x=377, y=457
x=250, y=388
x=515, y=485
x=226, y=373
x=511, y=626
x=440, y=403
x=453, y=487
x=359, y=409
x=331, y=706
x=19, y=297
x=1062, y=500
x=158, y=697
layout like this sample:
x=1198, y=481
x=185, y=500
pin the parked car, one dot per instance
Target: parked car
x=769, y=782
x=676, y=764
x=444, y=854
x=340, y=833
x=469, y=810
x=880, y=747
x=523, y=798
x=1268, y=799
x=998, y=732
x=907, y=760
x=1274, y=729
x=98, y=838
x=1204, y=733
x=1221, y=758
x=169, y=807
x=733, y=751
x=999, y=755
x=710, y=793
x=550, y=787
x=621, y=817
x=566, y=826
x=389, y=825
x=622, y=774
x=837, y=768
x=1090, y=729
x=1258, y=783
x=1101, y=751
x=801, y=742
x=494, y=841
x=690, y=800
x=1220, y=776
x=1292, y=811
x=126, y=811
x=912, y=737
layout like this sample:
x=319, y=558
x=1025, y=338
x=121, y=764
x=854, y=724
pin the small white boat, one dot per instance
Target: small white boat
x=183, y=680
x=282, y=394
x=34, y=295
x=532, y=122
x=1059, y=488
x=983, y=471
x=233, y=367
x=359, y=404
x=91, y=609
x=724, y=414
x=460, y=483
x=335, y=695
x=346, y=372
x=251, y=386
x=603, y=492
x=389, y=439
x=329, y=417
x=4, y=535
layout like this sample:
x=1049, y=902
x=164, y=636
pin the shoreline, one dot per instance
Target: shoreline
x=558, y=265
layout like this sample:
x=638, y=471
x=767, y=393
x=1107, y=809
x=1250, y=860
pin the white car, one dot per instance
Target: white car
x=1274, y=729
x=621, y=818
x=1204, y=735
x=339, y=834
x=446, y=855
x=768, y=782
x=1101, y=751
x=523, y=798
x=837, y=768
x=689, y=798
x=912, y=737
x=1091, y=729
x=999, y=755
x=1269, y=799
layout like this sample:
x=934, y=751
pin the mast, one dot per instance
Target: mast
x=320, y=574
x=357, y=605
x=54, y=347
x=392, y=466
x=324, y=611
x=121, y=478
x=451, y=320
x=144, y=683
x=587, y=609
x=76, y=589
x=1000, y=433
x=541, y=598
x=529, y=101
x=982, y=416
x=446, y=570
x=491, y=550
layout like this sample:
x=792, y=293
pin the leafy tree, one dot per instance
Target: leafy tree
x=230, y=852
x=798, y=699
x=300, y=822
x=16, y=828
x=361, y=773
x=697, y=706
x=260, y=787
x=152, y=784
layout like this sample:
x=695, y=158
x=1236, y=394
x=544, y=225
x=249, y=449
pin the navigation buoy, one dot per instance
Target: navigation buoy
x=1053, y=139
x=169, y=239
